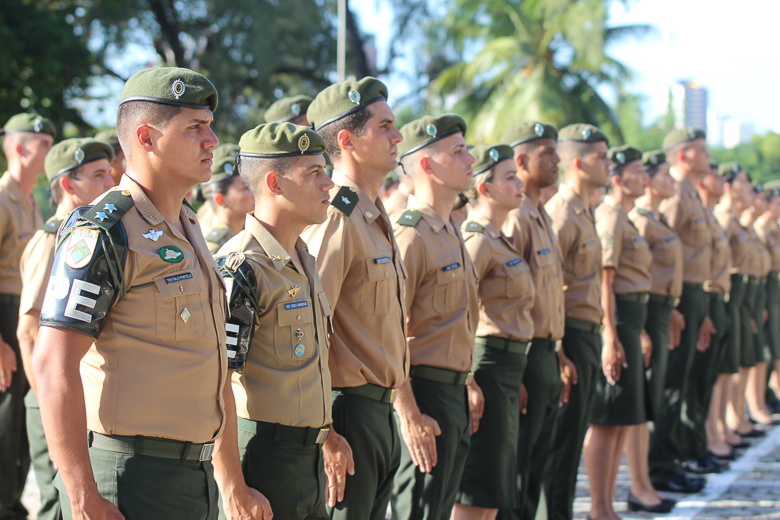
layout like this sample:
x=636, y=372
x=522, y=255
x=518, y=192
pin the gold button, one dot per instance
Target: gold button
x=352, y=189
x=369, y=214
x=386, y=275
x=298, y=317
x=126, y=193
x=436, y=228
x=565, y=287
x=453, y=275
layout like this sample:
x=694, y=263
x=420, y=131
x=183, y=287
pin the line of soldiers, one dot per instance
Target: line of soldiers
x=328, y=360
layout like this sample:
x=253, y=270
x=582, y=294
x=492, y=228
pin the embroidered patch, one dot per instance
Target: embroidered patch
x=354, y=96
x=81, y=247
x=178, y=88
x=171, y=254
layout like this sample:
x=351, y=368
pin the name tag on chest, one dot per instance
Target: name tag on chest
x=178, y=278
x=296, y=305
x=450, y=267
x=382, y=260
x=514, y=261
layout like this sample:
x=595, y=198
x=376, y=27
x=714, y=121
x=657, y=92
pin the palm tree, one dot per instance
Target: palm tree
x=532, y=59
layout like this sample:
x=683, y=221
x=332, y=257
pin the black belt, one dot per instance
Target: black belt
x=720, y=296
x=152, y=447
x=638, y=297
x=693, y=285
x=10, y=299
x=587, y=326
x=280, y=433
x=441, y=375
x=372, y=391
x=663, y=300
x=518, y=347
x=753, y=280
x=543, y=344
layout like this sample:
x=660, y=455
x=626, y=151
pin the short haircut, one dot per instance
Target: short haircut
x=252, y=170
x=570, y=150
x=11, y=140
x=221, y=187
x=56, y=190
x=134, y=113
x=674, y=151
x=652, y=170
x=354, y=122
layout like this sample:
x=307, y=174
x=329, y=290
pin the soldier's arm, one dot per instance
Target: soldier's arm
x=7, y=354
x=26, y=333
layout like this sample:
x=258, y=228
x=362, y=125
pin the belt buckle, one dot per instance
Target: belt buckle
x=469, y=378
x=393, y=395
x=322, y=436
x=206, y=451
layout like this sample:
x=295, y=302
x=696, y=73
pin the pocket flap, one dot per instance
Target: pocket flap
x=326, y=309
x=450, y=273
x=179, y=283
x=380, y=268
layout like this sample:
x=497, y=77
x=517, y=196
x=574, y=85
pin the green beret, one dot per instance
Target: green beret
x=223, y=164
x=328, y=162
x=225, y=150
x=727, y=169
x=622, y=155
x=520, y=133
x=69, y=154
x=682, y=135
x=171, y=86
x=654, y=158
x=342, y=99
x=287, y=109
x=487, y=156
x=271, y=140
x=31, y=123
x=427, y=130
x=582, y=133
x=108, y=136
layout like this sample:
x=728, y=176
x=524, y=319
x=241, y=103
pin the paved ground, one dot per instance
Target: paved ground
x=750, y=489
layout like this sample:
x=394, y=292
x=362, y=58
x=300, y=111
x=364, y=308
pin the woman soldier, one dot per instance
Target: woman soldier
x=506, y=296
x=666, y=271
x=621, y=394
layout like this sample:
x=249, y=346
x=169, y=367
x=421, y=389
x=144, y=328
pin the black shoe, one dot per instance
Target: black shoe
x=669, y=502
x=680, y=483
x=701, y=466
x=634, y=504
x=741, y=444
x=729, y=456
x=774, y=406
x=754, y=433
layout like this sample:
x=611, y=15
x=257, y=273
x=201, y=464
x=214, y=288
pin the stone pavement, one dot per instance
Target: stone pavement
x=750, y=489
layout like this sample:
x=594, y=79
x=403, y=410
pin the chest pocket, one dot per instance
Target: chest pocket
x=182, y=313
x=585, y=258
x=638, y=252
x=695, y=234
x=518, y=279
x=379, y=294
x=294, y=338
x=664, y=251
x=449, y=292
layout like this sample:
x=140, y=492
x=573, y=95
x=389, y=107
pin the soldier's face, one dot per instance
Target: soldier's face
x=662, y=183
x=183, y=148
x=238, y=198
x=742, y=189
x=698, y=157
x=306, y=188
x=452, y=163
x=634, y=179
x=36, y=146
x=377, y=148
x=596, y=164
x=95, y=180
x=506, y=188
x=543, y=162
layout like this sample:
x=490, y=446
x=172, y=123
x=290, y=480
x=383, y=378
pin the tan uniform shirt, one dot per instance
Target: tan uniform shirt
x=363, y=277
x=216, y=233
x=441, y=291
x=286, y=378
x=19, y=220
x=506, y=288
x=581, y=252
x=35, y=268
x=738, y=238
x=769, y=233
x=686, y=216
x=158, y=367
x=763, y=257
x=666, y=270
x=721, y=258
x=623, y=248
x=530, y=230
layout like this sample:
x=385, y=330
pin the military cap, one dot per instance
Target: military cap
x=713, y=166
x=727, y=169
x=526, y=131
x=427, y=130
x=108, y=136
x=622, y=155
x=287, y=109
x=582, y=133
x=682, y=135
x=171, y=86
x=328, y=162
x=31, y=123
x=222, y=168
x=225, y=150
x=69, y=154
x=342, y=99
x=487, y=156
x=271, y=140
x=654, y=158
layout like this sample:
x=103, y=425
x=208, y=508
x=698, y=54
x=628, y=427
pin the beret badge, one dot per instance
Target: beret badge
x=692, y=133
x=228, y=168
x=79, y=155
x=619, y=157
x=295, y=108
x=539, y=129
x=38, y=126
x=354, y=96
x=303, y=143
x=494, y=154
x=735, y=168
x=586, y=133
x=178, y=88
x=654, y=159
x=431, y=130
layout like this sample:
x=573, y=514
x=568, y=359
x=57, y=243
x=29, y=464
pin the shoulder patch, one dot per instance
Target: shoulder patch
x=474, y=227
x=644, y=212
x=216, y=235
x=51, y=226
x=409, y=218
x=109, y=210
x=345, y=200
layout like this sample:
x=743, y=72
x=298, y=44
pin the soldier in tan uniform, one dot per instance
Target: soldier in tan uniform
x=130, y=360
x=289, y=110
x=26, y=140
x=119, y=163
x=78, y=171
x=206, y=210
x=277, y=332
x=230, y=199
x=530, y=229
x=396, y=202
x=432, y=408
x=583, y=153
x=769, y=231
x=363, y=278
x=686, y=153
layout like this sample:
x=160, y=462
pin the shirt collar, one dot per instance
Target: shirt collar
x=12, y=187
x=367, y=207
x=145, y=206
x=574, y=200
x=270, y=245
x=429, y=214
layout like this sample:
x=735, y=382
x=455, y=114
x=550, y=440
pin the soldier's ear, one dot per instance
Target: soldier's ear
x=271, y=181
x=425, y=163
x=520, y=161
x=64, y=182
x=143, y=135
x=219, y=199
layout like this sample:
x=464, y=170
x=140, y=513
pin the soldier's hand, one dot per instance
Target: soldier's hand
x=522, y=399
x=647, y=347
x=613, y=358
x=7, y=365
x=568, y=377
x=705, y=335
x=337, y=457
x=100, y=509
x=247, y=504
x=676, y=326
x=476, y=405
x=419, y=432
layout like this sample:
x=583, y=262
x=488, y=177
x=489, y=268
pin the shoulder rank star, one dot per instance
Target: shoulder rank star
x=110, y=208
x=410, y=217
x=100, y=215
x=293, y=291
x=345, y=200
x=153, y=234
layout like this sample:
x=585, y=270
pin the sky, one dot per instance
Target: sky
x=730, y=48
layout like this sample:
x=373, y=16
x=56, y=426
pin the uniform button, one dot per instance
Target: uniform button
x=369, y=214
x=565, y=287
x=298, y=317
x=386, y=275
x=126, y=193
x=181, y=289
x=436, y=228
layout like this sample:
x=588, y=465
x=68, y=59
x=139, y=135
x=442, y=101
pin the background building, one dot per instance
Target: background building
x=688, y=104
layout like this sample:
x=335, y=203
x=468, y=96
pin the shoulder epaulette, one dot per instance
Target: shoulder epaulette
x=345, y=200
x=51, y=227
x=474, y=227
x=410, y=218
x=644, y=212
x=217, y=235
x=109, y=210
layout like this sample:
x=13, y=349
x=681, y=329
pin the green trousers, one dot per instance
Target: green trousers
x=151, y=488
x=431, y=496
x=44, y=469
x=773, y=310
x=369, y=428
x=701, y=382
x=572, y=422
x=759, y=337
x=14, y=448
x=733, y=339
x=542, y=380
x=666, y=440
x=659, y=314
x=747, y=345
